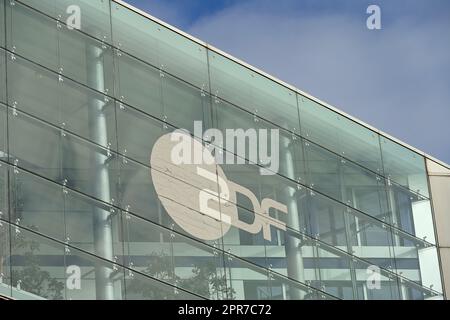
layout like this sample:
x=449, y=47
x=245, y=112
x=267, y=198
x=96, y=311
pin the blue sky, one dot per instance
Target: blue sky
x=396, y=79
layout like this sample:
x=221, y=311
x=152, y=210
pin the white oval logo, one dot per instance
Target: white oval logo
x=196, y=193
x=189, y=192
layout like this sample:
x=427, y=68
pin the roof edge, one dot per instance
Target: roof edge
x=281, y=82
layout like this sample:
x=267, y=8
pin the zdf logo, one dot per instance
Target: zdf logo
x=198, y=196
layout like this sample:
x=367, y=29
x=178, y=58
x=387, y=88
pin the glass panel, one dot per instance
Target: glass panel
x=339, y=134
x=91, y=278
x=148, y=249
x=38, y=270
x=86, y=60
x=246, y=280
x=65, y=104
x=68, y=52
x=159, y=46
x=137, y=192
x=33, y=89
x=278, y=150
x=139, y=85
x=183, y=104
x=364, y=190
x=92, y=226
x=323, y=170
x=136, y=141
x=412, y=291
x=166, y=98
x=5, y=274
x=253, y=92
x=371, y=239
x=94, y=14
x=417, y=261
x=89, y=168
x=172, y=258
x=375, y=283
x=170, y=100
x=34, y=145
x=324, y=218
x=62, y=157
x=32, y=35
x=334, y=271
x=283, y=288
x=411, y=212
x=404, y=166
x=247, y=245
x=37, y=204
x=140, y=287
x=200, y=269
x=346, y=182
x=429, y=269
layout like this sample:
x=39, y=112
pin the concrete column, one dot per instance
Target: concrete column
x=100, y=188
x=295, y=268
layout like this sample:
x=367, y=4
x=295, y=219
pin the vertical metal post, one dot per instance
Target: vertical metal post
x=395, y=237
x=295, y=267
x=101, y=190
x=348, y=231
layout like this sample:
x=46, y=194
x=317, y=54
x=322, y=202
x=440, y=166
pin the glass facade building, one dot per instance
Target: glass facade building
x=80, y=111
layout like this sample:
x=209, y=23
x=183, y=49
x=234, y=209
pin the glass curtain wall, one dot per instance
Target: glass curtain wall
x=80, y=111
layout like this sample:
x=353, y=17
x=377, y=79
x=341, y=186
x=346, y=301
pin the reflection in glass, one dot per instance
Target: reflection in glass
x=339, y=134
x=32, y=34
x=69, y=52
x=253, y=92
x=62, y=157
x=346, y=182
x=70, y=106
x=140, y=287
x=155, y=44
x=136, y=141
x=404, y=166
x=174, y=259
x=86, y=60
x=91, y=278
x=95, y=14
x=37, y=204
x=139, y=85
x=37, y=266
